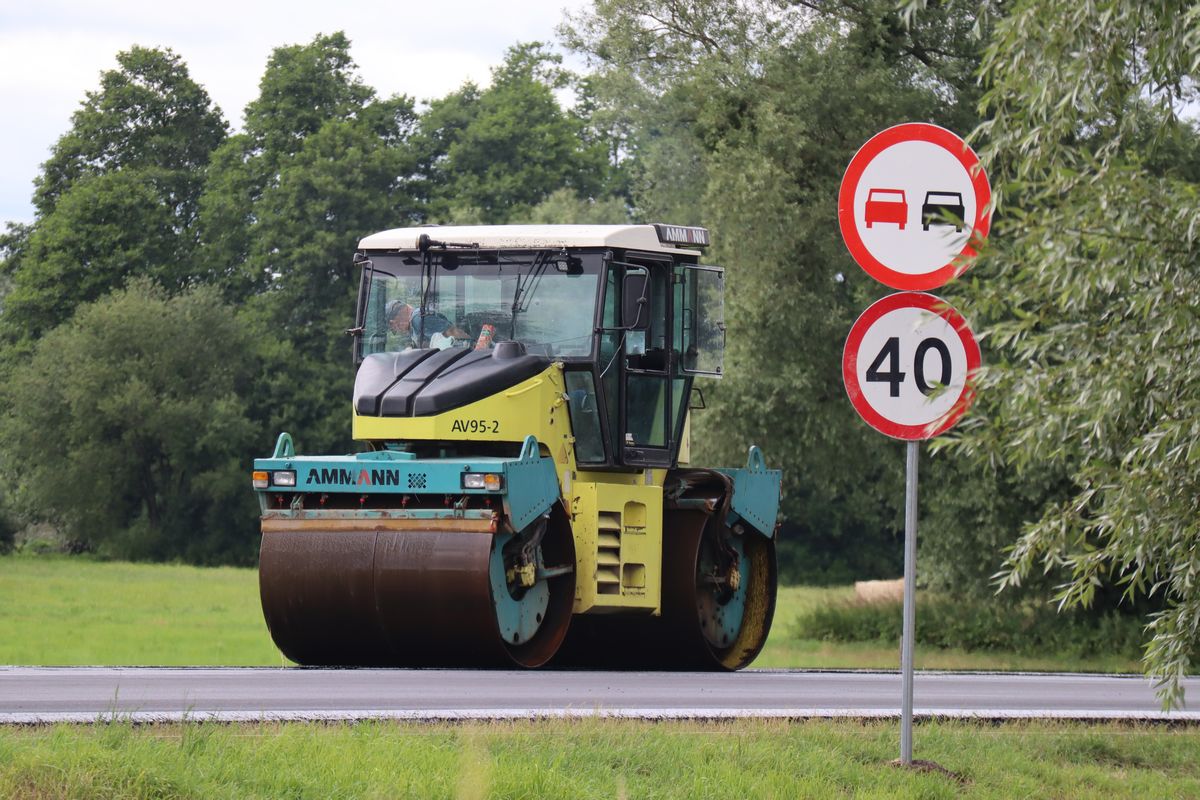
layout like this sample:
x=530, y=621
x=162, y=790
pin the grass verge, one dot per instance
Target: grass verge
x=789, y=647
x=61, y=610
x=597, y=758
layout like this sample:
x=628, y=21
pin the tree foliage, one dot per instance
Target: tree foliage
x=1091, y=284
x=492, y=155
x=303, y=88
x=147, y=115
x=745, y=115
x=323, y=161
x=127, y=427
x=659, y=44
x=566, y=207
x=105, y=229
x=118, y=196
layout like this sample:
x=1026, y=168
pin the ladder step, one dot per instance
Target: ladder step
x=609, y=521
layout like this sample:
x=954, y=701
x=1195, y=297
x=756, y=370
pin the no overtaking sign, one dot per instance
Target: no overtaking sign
x=913, y=205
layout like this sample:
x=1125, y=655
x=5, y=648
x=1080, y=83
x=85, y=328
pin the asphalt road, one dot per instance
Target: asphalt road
x=86, y=694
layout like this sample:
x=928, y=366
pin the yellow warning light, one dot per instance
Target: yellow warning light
x=260, y=479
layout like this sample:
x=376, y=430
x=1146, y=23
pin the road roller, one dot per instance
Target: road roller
x=523, y=495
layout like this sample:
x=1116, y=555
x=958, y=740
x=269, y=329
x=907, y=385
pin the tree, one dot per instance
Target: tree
x=118, y=196
x=148, y=115
x=440, y=126
x=660, y=71
x=941, y=41
x=103, y=230
x=312, y=112
x=303, y=88
x=745, y=124
x=322, y=163
x=127, y=427
x=13, y=243
x=659, y=44
x=1091, y=280
x=497, y=153
x=565, y=207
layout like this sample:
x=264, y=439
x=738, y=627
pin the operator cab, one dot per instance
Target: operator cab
x=628, y=309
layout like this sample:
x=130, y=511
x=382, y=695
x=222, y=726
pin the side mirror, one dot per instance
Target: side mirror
x=635, y=301
x=364, y=290
x=361, y=305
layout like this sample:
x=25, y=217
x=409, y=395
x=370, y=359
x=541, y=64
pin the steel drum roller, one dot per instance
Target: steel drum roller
x=400, y=595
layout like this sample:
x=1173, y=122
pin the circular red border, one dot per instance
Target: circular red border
x=914, y=132
x=868, y=318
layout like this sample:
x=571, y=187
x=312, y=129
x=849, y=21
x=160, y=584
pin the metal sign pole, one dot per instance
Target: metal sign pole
x=910, y=603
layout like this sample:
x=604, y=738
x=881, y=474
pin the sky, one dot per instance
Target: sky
x=53, y=51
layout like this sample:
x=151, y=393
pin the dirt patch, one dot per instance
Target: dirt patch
x=924, y=765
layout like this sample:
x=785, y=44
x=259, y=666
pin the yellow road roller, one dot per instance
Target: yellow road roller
x=524, y=495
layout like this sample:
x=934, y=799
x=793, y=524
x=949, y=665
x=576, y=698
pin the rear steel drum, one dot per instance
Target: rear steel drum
x=704, y=625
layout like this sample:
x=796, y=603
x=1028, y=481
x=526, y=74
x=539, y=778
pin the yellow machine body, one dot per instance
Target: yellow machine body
x=616, y=517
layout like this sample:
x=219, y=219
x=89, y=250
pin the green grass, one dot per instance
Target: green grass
x=58, y=610
x=786, y=648
x=597, y=759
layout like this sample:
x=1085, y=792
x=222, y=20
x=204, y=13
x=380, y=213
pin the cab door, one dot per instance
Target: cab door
x=684, y=337
x=660, y=325
x=647, y=431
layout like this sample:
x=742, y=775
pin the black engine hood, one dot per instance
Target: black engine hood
x=421, y=383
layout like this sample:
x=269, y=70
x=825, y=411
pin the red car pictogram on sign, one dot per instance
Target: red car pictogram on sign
x=887, y=205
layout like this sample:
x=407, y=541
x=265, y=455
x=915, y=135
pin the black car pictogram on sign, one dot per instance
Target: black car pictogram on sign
x=940, y=207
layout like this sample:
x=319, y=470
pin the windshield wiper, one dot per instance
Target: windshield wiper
x=525, y=289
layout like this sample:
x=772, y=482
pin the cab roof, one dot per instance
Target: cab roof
x=489, y=237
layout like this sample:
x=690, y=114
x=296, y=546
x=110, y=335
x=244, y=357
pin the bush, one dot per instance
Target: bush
x=126, y=428
x=1026, y=629
x=815, y=558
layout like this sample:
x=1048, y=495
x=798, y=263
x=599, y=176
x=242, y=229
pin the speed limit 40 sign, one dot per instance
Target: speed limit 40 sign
x=909, y=365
